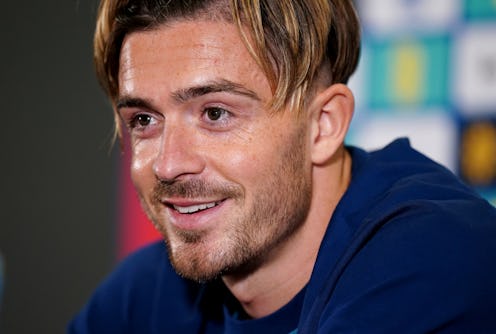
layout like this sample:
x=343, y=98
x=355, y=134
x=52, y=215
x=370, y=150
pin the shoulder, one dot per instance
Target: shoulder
x=417, y=255
x=416, y=208
x=425, y=264
x=432, y=238
x=398, y=181
x=429, y=265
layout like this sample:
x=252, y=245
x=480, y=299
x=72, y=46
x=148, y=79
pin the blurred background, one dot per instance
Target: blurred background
x=58, y=173
x=428, y=71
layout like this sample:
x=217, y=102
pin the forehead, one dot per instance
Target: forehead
x=187, y=53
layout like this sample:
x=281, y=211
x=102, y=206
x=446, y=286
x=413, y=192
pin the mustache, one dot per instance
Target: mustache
x=194, y=189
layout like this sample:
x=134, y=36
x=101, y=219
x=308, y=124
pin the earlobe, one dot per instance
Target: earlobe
x=332, y=111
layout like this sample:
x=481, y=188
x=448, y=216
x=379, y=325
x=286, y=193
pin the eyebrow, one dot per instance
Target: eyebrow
x=216, y=86
x=133, y=102
x=186, y=94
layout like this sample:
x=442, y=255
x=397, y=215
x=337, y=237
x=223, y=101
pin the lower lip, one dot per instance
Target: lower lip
x=200, y=220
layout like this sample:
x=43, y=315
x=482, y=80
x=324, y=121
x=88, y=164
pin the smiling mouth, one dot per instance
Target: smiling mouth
x=194, y=208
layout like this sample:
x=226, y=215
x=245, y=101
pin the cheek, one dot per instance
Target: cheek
x=142, y=159
x=248, y=163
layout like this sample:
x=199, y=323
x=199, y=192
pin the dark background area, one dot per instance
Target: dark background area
x=57, y=165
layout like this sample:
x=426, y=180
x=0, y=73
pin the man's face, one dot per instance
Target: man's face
x=225, y=181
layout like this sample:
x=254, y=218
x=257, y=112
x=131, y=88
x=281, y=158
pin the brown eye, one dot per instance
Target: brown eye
x=214, y=114
x=141, y=120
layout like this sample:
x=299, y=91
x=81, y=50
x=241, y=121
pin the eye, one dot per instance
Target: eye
x=140, y=121
x=215, y=113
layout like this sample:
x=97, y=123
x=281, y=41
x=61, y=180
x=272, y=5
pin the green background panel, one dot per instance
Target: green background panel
x=429, y=56
x=479, y=9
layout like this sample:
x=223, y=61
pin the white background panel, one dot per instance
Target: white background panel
x=432, y=133
x=474, y=69
x=390, y=16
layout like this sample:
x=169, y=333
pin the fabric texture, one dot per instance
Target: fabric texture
x=409, y=249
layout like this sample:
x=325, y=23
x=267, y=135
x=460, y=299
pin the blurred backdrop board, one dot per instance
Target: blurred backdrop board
x=428, y=71
x=57, y=170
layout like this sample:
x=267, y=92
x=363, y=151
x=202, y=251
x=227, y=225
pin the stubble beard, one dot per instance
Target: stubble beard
x=281, y=205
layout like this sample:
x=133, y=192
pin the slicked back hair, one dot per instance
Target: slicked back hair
x=289, y=39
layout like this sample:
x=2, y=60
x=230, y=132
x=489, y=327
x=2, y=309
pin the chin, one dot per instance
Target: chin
x=201, y=261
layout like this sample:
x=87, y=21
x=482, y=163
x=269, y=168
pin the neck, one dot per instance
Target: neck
x=288, y=267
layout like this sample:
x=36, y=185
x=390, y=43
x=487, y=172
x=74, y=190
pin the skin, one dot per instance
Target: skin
x=195, y=103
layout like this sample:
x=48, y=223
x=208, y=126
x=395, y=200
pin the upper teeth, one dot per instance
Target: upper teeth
x=194, y=208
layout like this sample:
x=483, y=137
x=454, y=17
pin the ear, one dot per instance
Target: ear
x=331, y=113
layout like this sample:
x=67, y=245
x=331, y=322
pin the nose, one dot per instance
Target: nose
x=179, y=154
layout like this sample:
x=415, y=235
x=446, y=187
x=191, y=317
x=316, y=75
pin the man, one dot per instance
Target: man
x=237, y=112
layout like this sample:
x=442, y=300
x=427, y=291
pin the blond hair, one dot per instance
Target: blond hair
x=289, y=39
